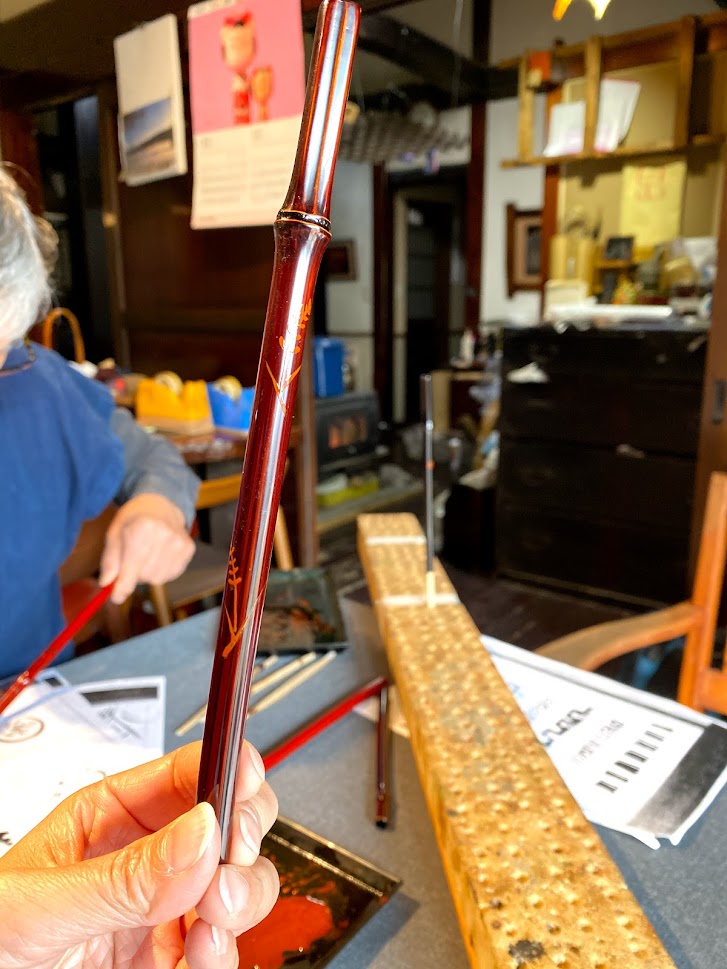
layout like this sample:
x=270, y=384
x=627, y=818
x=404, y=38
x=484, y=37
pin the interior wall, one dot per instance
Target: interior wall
x=521, y=186
x=350, y=303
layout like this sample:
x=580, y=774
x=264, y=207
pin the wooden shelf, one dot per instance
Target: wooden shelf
x=615, y=264
x=700, y=141
x=348, y=511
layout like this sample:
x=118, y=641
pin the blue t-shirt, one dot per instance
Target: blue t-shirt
x=60, y=464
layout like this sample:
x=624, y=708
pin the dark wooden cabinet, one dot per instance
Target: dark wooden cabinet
x=597, y=464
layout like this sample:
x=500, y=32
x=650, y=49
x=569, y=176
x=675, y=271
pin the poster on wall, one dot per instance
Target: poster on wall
x=247, y=89
x=152, y=140
x=651, y=201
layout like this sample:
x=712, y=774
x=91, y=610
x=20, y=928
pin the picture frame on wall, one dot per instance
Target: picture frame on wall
x=340, y=260
x=524, y=235
x=619, y=249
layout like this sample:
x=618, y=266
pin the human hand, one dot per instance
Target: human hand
x=146, y=542
x=103, y=881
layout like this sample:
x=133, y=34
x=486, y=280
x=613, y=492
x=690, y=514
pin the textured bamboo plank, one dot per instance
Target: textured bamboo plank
x=532, y=883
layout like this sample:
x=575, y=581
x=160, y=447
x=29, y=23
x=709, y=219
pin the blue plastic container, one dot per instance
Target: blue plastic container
x=327, y=367
x=232, y=414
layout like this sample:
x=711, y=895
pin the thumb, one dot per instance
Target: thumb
x=147, y=883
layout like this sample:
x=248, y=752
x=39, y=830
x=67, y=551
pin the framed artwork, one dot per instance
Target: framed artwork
x=524, y=233
x=340, y=260
x=619, y=248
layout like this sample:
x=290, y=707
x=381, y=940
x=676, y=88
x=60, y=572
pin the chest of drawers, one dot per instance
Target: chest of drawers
x=597, y=464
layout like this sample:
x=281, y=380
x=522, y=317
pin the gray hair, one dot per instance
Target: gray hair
x=28, y=248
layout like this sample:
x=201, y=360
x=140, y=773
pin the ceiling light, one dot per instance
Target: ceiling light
x=599, y=8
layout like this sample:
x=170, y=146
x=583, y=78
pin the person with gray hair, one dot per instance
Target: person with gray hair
x=68, y=452
x=125, y=872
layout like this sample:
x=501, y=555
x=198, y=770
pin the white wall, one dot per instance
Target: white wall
x=351, y=303
x=519, y=25
x=521, y=186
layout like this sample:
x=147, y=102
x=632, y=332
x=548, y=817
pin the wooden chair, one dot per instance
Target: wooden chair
x=77, y=578
x=47, y=335
x=206, y=573
x=700, y=686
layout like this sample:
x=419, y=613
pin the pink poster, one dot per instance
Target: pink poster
x=247, y=89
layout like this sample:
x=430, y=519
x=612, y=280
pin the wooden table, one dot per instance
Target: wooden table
x=218, y=445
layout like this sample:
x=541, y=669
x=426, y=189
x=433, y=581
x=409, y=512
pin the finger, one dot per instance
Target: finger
x=250, y=772
x=130, y=564
x=111, y=557
x=209, y=947
x=123, y=807
x=109, y=815
x=147, y=883
x=169, y=556
x=239, y=898
x=158, y=792
x=252, y=819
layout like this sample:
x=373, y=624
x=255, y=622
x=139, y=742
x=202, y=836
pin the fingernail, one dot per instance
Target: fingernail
x=220, y=940
x=234, y=890
x=188, y=838
x=250, y=829
x=257, y=762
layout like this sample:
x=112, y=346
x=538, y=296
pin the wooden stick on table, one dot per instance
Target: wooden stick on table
x=292, y=683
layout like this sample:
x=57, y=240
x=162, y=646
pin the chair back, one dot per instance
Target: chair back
x=218, y=491
x=701, y=686
x=47, y=338
x=85, y=559
x=221, y=490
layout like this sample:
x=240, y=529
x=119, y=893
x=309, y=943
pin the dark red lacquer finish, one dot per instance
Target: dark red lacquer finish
x=302, y=232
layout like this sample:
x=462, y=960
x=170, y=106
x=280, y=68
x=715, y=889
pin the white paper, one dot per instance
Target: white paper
x=241, y=174
x=152, y=137
x=132, y=709
x=247, y=91
x=616, y=109
x=566, y=129
x=53, y=741
x=634, y=762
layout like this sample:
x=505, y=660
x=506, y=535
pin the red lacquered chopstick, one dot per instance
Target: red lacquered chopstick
x=340, y=709
x=50, y=653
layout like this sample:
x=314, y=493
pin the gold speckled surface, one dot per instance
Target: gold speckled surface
x=532, y=882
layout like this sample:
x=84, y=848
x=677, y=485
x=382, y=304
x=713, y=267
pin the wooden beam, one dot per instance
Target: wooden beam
x=593, y=91
x=526, y=109
x=482, y=15
x=530, y=879
x=437, y=63
x=685, y=76
x=712, y=450
x=109, y=165
x=383, y=292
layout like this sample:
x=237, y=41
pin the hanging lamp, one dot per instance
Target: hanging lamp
x=599, y=8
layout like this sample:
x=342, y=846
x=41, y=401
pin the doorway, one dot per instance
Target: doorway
x=429, y=285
